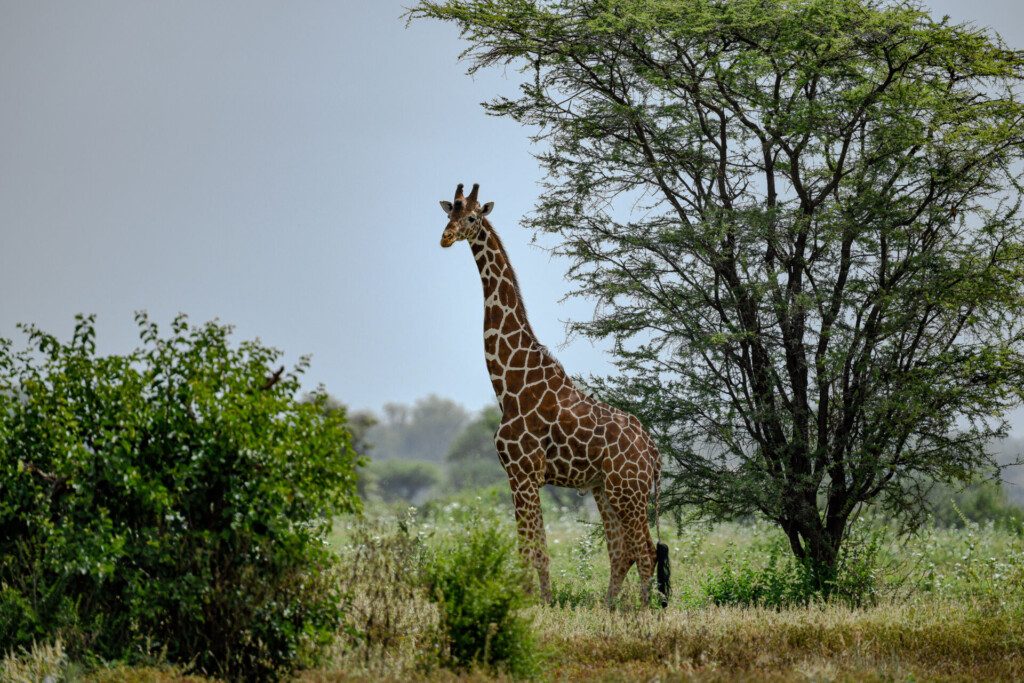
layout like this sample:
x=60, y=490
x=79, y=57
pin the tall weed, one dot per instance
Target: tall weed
x=391, y=627
x=40, y=662
x=573, y=586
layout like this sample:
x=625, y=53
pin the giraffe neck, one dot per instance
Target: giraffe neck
x=509, y=341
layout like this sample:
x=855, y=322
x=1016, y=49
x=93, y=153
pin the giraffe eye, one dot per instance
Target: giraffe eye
x=472, y=219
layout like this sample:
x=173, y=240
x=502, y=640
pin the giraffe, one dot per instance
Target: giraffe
x=551, y=432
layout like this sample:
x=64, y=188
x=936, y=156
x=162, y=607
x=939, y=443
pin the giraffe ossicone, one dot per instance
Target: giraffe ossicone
x=551, y=432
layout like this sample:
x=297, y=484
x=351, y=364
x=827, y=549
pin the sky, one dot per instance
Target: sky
x=277, y=166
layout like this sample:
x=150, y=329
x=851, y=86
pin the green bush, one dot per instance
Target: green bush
x=783, y=581
x=780, y=581
x=480, y=585
x=175, y=499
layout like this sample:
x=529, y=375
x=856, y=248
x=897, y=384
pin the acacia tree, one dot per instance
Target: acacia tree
x=800, y=220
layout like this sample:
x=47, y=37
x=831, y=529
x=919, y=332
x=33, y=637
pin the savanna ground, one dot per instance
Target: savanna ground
x=943, y=604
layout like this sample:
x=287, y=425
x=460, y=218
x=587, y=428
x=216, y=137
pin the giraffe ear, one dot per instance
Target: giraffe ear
x=446, y=206
x=487, y=208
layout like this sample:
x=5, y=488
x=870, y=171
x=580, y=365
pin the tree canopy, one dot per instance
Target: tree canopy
x=800, y=220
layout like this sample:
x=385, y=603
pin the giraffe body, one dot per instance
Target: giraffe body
x=551, y=432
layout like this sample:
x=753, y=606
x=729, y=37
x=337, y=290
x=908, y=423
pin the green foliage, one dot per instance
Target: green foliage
x=358, y=423
x=800, y=222
x=388, y=611
x=172, y=499
x=774, y=578
x=476, y=576
x=782, y=581
x=573, y=587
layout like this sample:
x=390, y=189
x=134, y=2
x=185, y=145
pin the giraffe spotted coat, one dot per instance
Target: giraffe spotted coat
x=551, y=432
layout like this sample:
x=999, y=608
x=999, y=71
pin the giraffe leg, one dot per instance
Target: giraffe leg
x=522, y=458
x=620, y=556
x=631, y=507
x=532, y=539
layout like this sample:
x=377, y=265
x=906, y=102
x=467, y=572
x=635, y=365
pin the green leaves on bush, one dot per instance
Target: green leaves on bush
x=780, y=582
x=172, y=499
x=480, y=584
x=784, y=581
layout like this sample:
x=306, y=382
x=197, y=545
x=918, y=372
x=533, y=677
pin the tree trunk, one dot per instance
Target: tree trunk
x=816, y=546
x=822, y=561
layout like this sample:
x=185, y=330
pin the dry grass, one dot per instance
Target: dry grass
x=930, y=641
x=49, y=664
x=142, y=674
x=42, y=662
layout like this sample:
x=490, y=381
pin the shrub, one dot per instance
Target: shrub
x=173, y=499
x=781, y=581
x=858, y=578
x=480, y=585
x=784, y=581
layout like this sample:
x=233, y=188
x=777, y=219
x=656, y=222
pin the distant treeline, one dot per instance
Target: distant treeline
x=431, y=448
x=436, y=447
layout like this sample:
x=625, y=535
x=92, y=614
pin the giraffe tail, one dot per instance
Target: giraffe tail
x=663, y=571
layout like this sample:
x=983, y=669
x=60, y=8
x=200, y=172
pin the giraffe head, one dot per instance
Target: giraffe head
x=465, y=216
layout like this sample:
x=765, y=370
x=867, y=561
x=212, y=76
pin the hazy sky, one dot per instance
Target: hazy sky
x=276, y=165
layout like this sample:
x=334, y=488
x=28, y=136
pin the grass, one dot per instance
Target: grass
x=935, y=641
x=947, y=605
x=48, y=663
